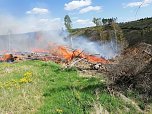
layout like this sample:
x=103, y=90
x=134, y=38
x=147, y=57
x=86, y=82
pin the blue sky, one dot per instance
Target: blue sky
x=80, y=11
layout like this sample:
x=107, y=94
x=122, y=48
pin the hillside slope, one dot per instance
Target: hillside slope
x=133, y=32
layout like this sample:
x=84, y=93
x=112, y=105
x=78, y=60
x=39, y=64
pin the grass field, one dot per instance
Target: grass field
x=31, y=87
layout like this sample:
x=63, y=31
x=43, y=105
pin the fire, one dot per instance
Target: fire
x=37, y=50
x=61, y=52
x=95, y=59
x=4, y=51
x=66, y=53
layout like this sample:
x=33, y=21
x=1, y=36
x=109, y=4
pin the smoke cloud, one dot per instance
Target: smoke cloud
x=107, y=50
x=23, y=34
x=28, y=24
x=33, y=32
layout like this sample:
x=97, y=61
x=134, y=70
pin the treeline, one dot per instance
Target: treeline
x=145, y=23
x=127, y=33
x=137, y=31
x=96, y=21
x=109, y=30
x=104, y=21
x=106, y=30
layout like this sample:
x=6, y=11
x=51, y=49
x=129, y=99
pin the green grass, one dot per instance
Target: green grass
x=19, y=97
x=54, y=90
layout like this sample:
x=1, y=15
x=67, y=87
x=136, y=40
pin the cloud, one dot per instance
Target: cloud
x=38, y=11
x=76, y=4
x=133, y=4
x=137, y=4
x=56, y=20
x=90, y=8
x=84, y=22
x=48, y=24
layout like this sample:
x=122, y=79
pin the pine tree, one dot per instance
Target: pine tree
x=68, y=22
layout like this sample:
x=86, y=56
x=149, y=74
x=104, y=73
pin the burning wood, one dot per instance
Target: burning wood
x=37, y=50
x=8, y=58
x=56, y=53
x=66, y=53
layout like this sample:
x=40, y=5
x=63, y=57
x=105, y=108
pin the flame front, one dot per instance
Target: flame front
x=66, y=53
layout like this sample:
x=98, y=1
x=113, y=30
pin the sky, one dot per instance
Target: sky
x=36, y=14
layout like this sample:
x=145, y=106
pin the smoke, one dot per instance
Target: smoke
x=36, y=32
x=107, y=50
x=28, y=24
x=23, y=34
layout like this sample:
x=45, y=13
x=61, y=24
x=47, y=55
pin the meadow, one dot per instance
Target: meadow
x=36, y=87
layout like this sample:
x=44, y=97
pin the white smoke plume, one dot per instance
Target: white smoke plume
x=36, y=32
x=25, y=33
x=107, y=50
x=14, y=25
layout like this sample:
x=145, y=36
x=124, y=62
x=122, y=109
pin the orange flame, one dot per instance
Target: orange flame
x=64, y=52
x=37, y=50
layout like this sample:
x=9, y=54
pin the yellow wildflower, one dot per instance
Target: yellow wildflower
x=59, y=110
x=23, y=80
x=28, y=74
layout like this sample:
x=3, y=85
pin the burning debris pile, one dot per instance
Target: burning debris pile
x=7, y=58
x=69, y=55
x=54, y=46
x=133, y=70
x=56, y=53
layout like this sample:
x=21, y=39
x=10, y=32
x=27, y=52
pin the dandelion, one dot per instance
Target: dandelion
x=59, y=110
x=15, y=83
x=23, y=80
x=28, y=74
x=27, y=78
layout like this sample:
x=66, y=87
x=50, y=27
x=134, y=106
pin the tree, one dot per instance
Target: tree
x=119, y=36
x=109, y=21
x=104, y=21
x=68, y=22
x=97, y=21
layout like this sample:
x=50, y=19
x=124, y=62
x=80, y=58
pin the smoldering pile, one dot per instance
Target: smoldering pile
x=133, y=70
